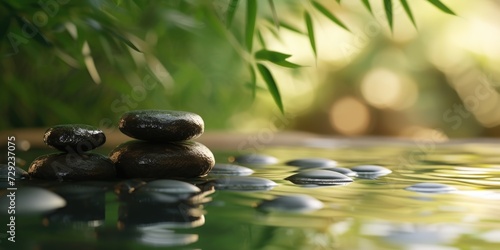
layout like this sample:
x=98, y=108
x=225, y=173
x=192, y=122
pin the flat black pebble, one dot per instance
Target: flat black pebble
x=230, y=169
x=319, y=177
x=69, y=166
x=74, y=138
x=140, y=159
x=244, y=183
x=428, y=187
x=298, y=203
x=312, y=163
x=161, y=125
x=256, y=159
x=371, y=171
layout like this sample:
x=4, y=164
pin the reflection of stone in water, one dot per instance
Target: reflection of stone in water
x=158, y=236
x=319, y=177
x=86, y=206
x=291, y=203
x=312, y=163
x=243, y=183
x=31, y=200
x=370, y=171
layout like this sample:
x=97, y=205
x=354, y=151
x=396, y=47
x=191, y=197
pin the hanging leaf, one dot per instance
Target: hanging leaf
x=261, y=39
x=250, y=28
x=231, y=10
x=441, y=6
x=276, y=58
x=388, y=12
x=310, y=32
x=122, y=38
x=275, y=15
x=253, y=81
x=407, y=9
x=367, y=5
x=329, y=15
x=285, y=25
x=271, y=85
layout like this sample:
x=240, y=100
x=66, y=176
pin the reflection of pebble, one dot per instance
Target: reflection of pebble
x=139, y=159
x=319, y=177
x=371, y=171
x=74, y=137
x=170, y=186
x=312, y=163
x=243, y=183
x=70, y=166
x=161, y=125
x=230, y=169
x=291, y=203
x=128, y=186
x=32, y=200
x=256, y=159
x=427, y=187
x=344, y=171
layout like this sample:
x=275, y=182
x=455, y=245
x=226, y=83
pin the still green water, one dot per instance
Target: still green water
x=365, y=214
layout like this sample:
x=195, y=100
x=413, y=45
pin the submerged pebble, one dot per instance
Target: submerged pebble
x=428, y=187
x=243, y=183
x=312, y=163
x=70, y=166
x=161, y=125
x=74, y=137
x=319, y=177
x=256, y=159
x=291, y=203
x=139, y=159
x=32, y=200
x=230, y=169
x=371, y=171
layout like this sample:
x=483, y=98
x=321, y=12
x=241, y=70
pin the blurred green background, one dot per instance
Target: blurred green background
x=90, y=61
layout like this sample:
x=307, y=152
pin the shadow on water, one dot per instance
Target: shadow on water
x=448, y=198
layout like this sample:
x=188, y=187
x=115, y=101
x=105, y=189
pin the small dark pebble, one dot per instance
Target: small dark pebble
x=69, y=166
x=319, y=177
x=255, y=159
x=291, y=203
x=427, y=187
x=161, y=125
x=75, y=138
x=312, y=163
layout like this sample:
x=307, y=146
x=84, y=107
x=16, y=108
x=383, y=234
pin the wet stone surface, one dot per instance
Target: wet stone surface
x=291, y=203
x=255, y=159
x=370, y=171
x=161, y=125
x=319, y=177
x=69, y=166
x=429, y=187
x=74, y=138
x=244, y=183
x=139, y=159
x=221, y=169
x=312, y=163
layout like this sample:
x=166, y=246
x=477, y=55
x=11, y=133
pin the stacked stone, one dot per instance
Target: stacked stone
x=75, y=162
x=163, y=148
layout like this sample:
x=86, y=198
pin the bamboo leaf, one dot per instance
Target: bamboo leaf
x=275, y=15
x=261, y=39
x=231, y=10
x=250, y=27
x=310, y=32
x=366, y=3
x=329, y=15
x=287, y=64
x=122, y=38
x=290, y=27
x=441, y=6
x=276, y=58
x=407, y=9
x=253, y=81
x=388, y=12
x=271, y=85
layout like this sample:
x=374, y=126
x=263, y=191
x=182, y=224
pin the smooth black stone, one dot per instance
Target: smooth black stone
x=69, y=166
x=291, y=203
x=255, y=159
x=312, y=163
x=19, y=173
x=319, y=177
x=74, y=138
x=140, y=159
x=161, y=125
x=428, y=187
